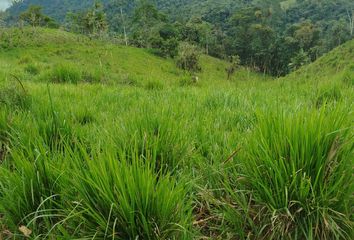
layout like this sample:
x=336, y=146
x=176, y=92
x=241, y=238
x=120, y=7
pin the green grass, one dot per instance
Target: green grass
x=99, y=141
x=297, y=174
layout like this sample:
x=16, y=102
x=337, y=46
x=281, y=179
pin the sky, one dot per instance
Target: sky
x=4, y=4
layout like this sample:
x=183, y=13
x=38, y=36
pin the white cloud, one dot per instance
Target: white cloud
x=4, y=4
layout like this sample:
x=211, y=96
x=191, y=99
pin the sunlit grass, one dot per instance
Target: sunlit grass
x=106, y=142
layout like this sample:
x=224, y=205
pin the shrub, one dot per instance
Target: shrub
x=188, y=58
x=164, y=48
x=296, y=179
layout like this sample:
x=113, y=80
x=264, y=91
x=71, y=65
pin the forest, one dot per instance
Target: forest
x=273, y=37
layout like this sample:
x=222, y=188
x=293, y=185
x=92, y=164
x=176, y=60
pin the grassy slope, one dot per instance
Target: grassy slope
x=334, y=64
x=116, y=64
x=190, y=129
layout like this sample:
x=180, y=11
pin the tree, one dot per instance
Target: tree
x=198, y=32
x=124, y=27
x=351, y=22
x=2, y=19
x=150, y=29
x=91, y=22
x=253, y=40
x=300, y=59
x=165, y=40
x=34, y=17
x=307, y=34
x=337, y=34
x=145, y=23
x=94, y=20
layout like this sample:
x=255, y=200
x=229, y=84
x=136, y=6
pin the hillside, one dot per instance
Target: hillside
x=336, y=64
x=102, y=141
x=266, y=35
x=44, y=50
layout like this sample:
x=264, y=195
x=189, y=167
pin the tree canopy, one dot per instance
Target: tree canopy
x=271, y=36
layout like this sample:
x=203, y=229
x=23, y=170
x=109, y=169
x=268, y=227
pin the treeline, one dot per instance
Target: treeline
x=274, y=37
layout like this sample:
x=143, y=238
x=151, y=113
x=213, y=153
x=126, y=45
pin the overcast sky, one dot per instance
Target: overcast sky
x=4, y=4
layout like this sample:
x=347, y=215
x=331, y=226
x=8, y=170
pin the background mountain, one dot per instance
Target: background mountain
x=177, y=8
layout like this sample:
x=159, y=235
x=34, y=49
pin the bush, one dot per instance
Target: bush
x=296, y=180
x=164, y=48
x=188, y=58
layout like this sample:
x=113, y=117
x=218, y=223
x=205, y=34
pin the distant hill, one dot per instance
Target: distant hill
x=182, y=9
x=175, y=8
x=338, y=63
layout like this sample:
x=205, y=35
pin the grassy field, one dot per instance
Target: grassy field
x=99, y=141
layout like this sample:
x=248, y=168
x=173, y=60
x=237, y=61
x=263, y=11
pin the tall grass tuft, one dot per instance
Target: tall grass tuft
x=122, y=197
x=32, y=69
x=29, y=191
x=296, y=180
x=64, y=73
x=158, y=131
x=14, y=96
x=328, y=94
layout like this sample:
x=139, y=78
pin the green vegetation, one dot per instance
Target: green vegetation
x=99, y=141
x=270, y=36
x=34, y=17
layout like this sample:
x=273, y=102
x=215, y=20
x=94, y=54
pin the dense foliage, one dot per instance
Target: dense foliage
x=273, y=37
